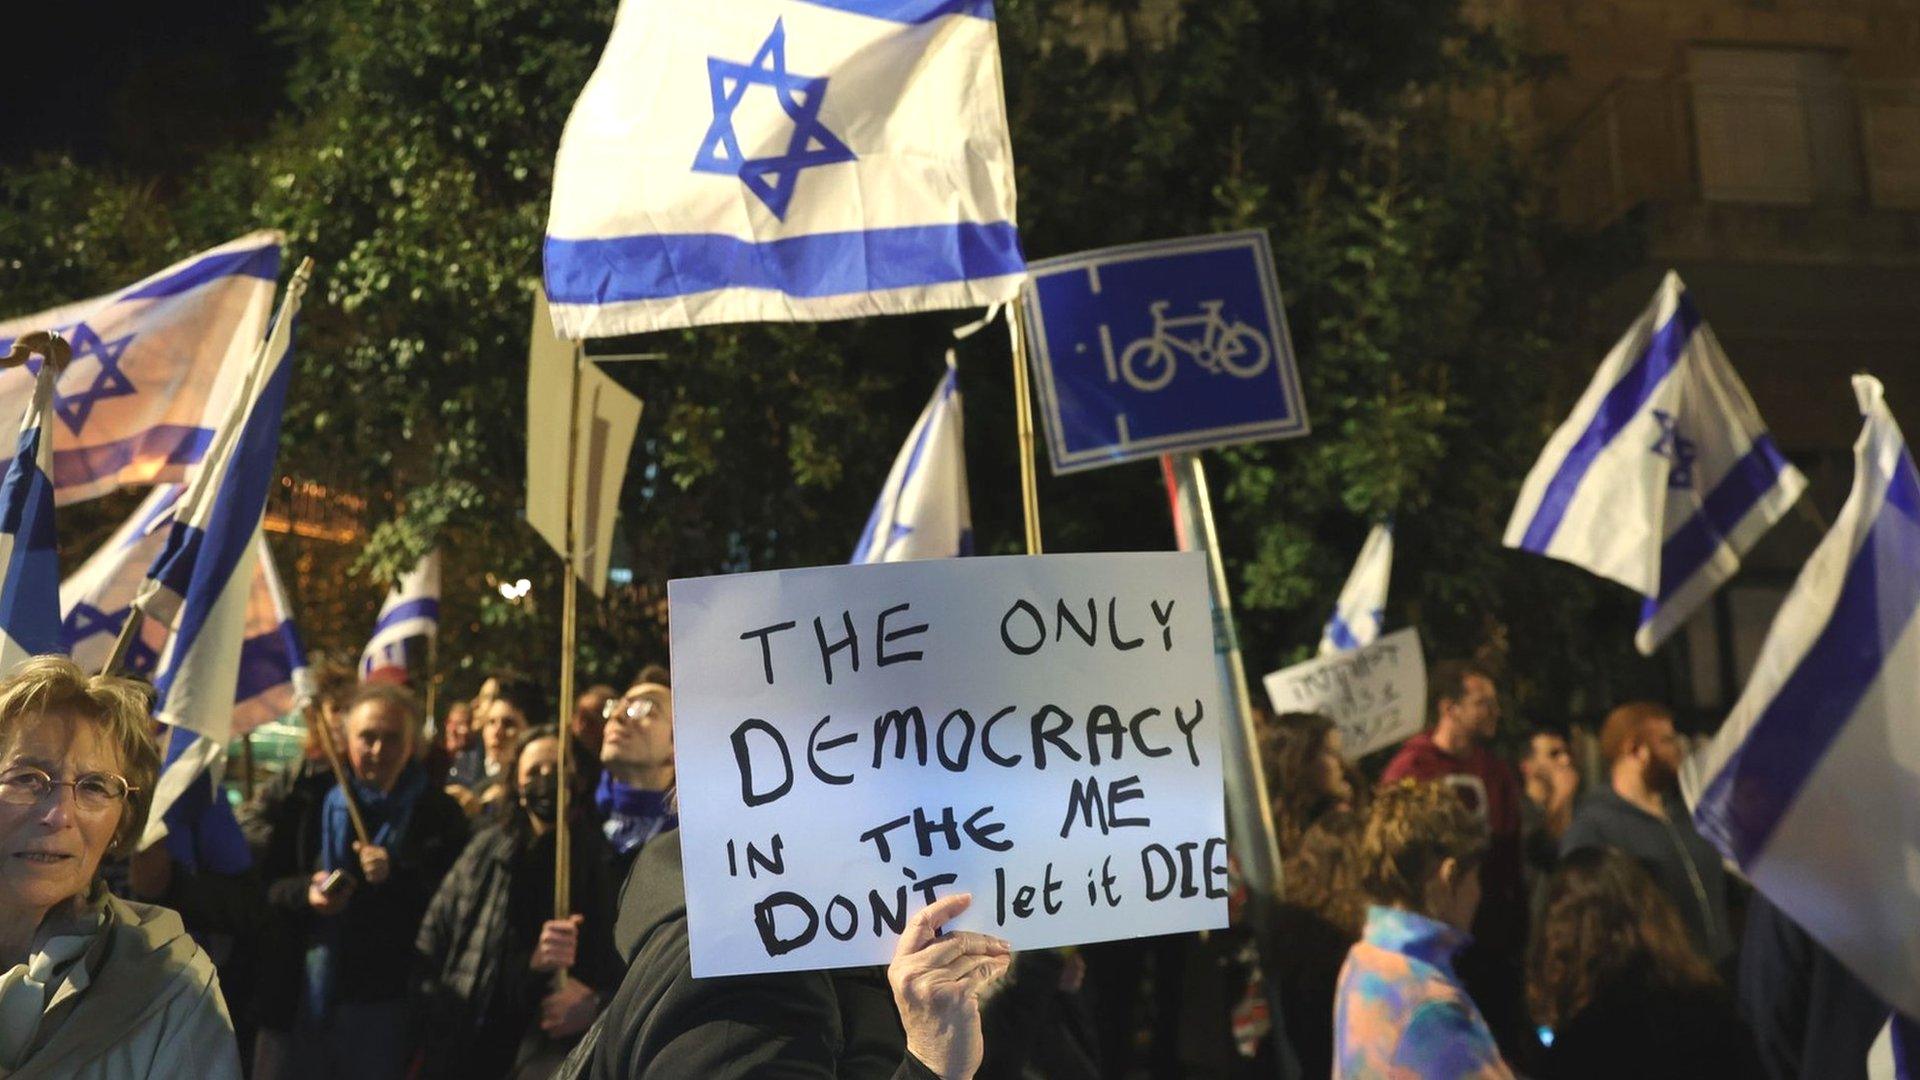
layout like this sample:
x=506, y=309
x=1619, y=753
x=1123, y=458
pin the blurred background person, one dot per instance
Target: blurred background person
x=93, y=986
x=1549, y=784
x=351, y=910
x=450, y=740
x=588, y=722
x=1318, y=920
x=490, y=947
x=1400, y=1009
x=1617, y=989
x=1306, y=771
x=1640, y=813
x=514, y=705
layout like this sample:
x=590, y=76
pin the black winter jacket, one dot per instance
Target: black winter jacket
x=664, y=1024
x=479, y=999
x=282, y=825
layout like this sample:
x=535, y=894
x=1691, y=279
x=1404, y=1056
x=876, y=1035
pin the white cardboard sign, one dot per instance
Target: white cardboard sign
x=853, y=742
x=1376, y=694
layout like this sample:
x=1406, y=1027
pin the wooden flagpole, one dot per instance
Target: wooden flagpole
x=569, y=615
x=324, y=730
x=1023, y=421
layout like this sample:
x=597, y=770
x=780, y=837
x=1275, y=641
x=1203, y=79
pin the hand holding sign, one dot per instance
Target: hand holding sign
x=937, y=980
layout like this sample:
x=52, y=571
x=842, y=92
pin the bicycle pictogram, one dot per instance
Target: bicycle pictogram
x=1208, y=339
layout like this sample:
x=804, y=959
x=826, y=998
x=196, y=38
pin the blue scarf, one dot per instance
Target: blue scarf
x=634, y=815
x=386, y=814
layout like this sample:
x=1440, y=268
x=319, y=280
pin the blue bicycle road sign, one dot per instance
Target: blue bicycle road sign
x=1152, y=348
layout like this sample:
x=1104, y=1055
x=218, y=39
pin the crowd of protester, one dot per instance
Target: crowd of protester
x=385, y=907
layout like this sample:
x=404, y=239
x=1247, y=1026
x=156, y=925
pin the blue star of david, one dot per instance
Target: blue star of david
x=771, y=179
x=1675, y=448
x=109, y=382
x=86, y=621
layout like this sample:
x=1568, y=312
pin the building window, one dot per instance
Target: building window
x=1774, y=126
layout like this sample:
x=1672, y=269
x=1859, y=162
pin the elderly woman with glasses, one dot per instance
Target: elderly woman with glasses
x=93, y=986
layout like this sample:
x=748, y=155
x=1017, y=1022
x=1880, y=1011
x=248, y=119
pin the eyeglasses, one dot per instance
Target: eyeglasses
x=640, y=710
x=94, y=793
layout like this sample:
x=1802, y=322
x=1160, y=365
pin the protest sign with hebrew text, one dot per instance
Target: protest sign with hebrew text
x=853, y=742
x=1376, y=695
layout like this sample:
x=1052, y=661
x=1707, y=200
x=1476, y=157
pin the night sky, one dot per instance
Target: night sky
x=141, y=89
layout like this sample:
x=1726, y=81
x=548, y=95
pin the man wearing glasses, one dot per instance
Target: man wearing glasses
x=635, y=794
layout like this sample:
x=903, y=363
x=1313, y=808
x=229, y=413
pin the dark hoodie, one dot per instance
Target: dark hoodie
x=663, y=1024
x=1686, y=867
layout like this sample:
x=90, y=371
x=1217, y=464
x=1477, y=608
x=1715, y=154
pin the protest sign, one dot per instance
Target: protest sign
x=1376, y=695
x=853, y=742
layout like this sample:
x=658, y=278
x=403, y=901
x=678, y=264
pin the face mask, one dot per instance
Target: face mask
x=541, y=797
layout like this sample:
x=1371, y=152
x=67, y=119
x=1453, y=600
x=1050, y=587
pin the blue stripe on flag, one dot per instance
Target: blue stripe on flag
x=1341, y=634
x=237, y=506
x=667, y=265
x=424, y=608
x=260, y=262
x=1705, y=533
x=267, y=661
x=910, y=11
x=174, y=444
x=1618, y=409
x=1752, y=792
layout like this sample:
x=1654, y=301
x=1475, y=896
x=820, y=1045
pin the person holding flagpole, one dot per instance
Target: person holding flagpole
x=354, y=906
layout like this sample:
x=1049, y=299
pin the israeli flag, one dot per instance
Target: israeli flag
x=1809, y=785
x=794, y=160
x=198, y=586
x=29, y=555
x=412, y=609
x=96, y=600
x=923, y=512
x=155, y=366
x=1664, y=476
x=1361, y=612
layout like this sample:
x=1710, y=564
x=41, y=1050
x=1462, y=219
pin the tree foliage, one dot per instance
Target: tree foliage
x=412, y=159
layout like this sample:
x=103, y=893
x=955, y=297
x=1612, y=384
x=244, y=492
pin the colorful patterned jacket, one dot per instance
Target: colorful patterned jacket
x=1400, y=1012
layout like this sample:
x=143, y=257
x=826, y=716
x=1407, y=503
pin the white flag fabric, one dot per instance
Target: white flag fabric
x=1361, y=612
x=1809, y=785
x=97, y=598
x=411, y=609
x=793, y=160
x=1664, y=476
x=923, y=511
x=198, y=585
x=29, y=548
x=155, y=367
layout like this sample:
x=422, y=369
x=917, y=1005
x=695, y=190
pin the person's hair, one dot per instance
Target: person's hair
x=1538, y=731
x=512, y=815
x=597, y=688
x=525, y=695
x=1626, y=727
x=1290, y=749
x=1447, y=681
x=1322, y=872
x=652, y=673
x=389, y=696
x=333, y=684
x=1412, y=828
x=49, y=686
x=1604, y=922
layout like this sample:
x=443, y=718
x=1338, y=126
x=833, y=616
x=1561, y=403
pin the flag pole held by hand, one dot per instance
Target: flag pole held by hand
x=324, y=730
